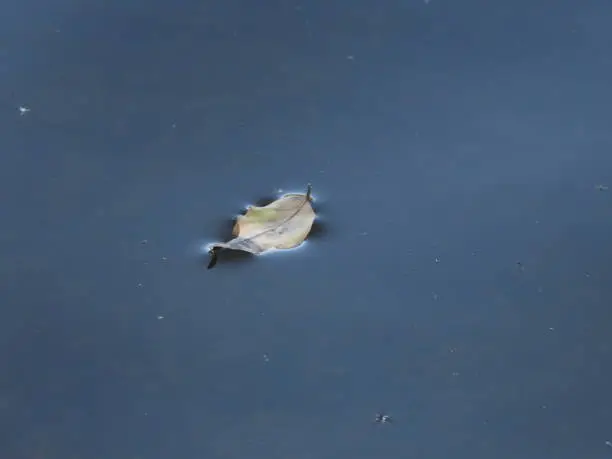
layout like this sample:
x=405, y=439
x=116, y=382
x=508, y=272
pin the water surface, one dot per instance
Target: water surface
x=462, y=280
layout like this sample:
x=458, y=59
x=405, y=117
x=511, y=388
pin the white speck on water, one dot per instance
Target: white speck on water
x=551, y=328
x=266, y=358
x=140, y=285
x=350, y=57
x=164, y=258
x=160, y=317
x=609, y=443
x=437, y=260
x=23, y=110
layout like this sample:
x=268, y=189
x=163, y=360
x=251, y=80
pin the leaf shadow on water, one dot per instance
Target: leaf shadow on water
x=320, y=229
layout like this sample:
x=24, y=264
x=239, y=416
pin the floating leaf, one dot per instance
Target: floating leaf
x=282, y=224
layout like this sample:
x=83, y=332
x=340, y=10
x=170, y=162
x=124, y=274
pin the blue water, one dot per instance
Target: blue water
x=459, y=280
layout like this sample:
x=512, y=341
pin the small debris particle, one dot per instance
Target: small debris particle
x=350, y=57
x=609, y=443
x=437, y=260
x=160, y=317
x=266, y=358
x=144, y=242
x=140, y=285
x=382, y=418
x=23, y=110
x=164, y=258
x=601, y=188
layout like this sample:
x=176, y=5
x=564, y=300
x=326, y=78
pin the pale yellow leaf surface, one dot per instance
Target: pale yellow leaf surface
x=282, y=224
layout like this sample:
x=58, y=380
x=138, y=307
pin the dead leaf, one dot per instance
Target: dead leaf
x=282, y=224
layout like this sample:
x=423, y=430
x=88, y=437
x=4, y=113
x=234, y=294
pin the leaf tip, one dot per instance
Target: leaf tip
x=213, y=257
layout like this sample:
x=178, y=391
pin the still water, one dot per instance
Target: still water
x=458, y=279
